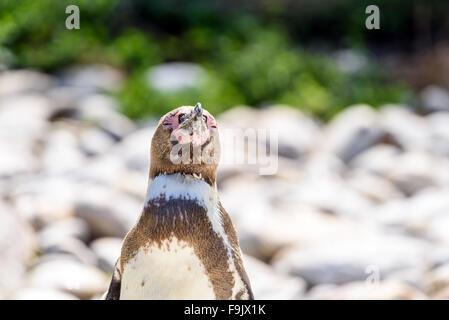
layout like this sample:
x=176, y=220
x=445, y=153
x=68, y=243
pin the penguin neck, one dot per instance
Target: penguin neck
x=178, y=187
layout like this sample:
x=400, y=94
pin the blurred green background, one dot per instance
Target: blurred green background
x=316, y=56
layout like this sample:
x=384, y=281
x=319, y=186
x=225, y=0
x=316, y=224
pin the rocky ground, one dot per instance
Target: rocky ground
x=359, y=208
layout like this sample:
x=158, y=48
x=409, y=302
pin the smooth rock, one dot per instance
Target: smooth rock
x=436, y=280
x=76, y=278
x=108, y=251
x=439, y=133
x=107, y=212
x=352, y=131
x=379, y=159
x=67, y=245
x=61, y=152
x=42, y=294
x=21, y=81
x=434, y=98
x=267, y=284
x=406, y=129
x=102, y=110
x=17, y=245
x=94, y=141
x=361, y=290
x=372, y=186
x=97, y=76
x=66, y=228
x=175, y=76
x=344, y=261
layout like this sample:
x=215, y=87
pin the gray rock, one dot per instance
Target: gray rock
x=269, y=285
x=61, y=152
x=406, y=129
x=436, y=280
x=23, y=81
x=23, y=119
x=66, y=228
x=338, y=262
x=417, y=214
x=135, y=150
x=297, y=133
x=108, y=251
x=372, y=186
x=377, y=160
x=360, y=290
x=67, y=245
x=103, y=111
x=439, y=133
x=434, y=98
x=410, y=172
x=93, y=77
x=94, y=141
x=107, y=212
x=81, y=280
x=45, y=199
x=42, y=294
x=175, y=76
x=352, y=131
x=17, y=245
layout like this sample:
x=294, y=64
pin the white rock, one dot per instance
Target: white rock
x=73, y=277
x=103, y=111
x=410, y=172
x=135, y=150
x=42, y=294
x=434, y=98
x=297, y=133
x=175, y=76
x=269, y=285
x=66, y=228
x=338, y=262
x=16, y=247
x=20, y=81
x=372, y=186
x=352, y=131
x=439, y=133
x=61, y=152
x=436, y=280
x=408, y=130
x=94, y=77
x=378, y=159
x=107, y=212
x=385, y=290
x=108, y=251
x=67, y=245
x=94, y=141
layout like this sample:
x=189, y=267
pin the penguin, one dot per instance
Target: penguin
x=184, y=245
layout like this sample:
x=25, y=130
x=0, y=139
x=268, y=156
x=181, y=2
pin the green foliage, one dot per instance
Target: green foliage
x=249, y=59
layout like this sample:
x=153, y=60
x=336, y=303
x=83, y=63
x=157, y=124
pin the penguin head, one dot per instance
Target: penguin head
x=186, y=141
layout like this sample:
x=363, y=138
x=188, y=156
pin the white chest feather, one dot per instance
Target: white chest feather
x=170, y=272
x=173, y=271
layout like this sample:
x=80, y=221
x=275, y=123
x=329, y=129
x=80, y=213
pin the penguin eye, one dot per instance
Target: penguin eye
x=181, y=117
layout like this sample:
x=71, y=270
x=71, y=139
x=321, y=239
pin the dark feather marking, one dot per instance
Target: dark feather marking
x=162, y=220
x=116, y=283
x=233, y=239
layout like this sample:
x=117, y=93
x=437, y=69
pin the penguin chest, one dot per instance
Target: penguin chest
x=170, y=270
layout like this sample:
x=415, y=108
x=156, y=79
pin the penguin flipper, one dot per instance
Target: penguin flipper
x=116, y=282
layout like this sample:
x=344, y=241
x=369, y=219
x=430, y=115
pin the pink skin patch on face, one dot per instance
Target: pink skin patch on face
x=183, y=136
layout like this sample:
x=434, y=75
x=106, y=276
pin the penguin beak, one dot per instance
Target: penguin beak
x=194, y=129
x=197, y=112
